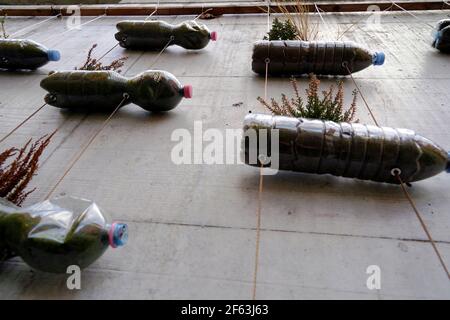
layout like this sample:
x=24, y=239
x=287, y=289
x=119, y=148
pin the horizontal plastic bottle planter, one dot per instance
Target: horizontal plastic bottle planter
x=155, y=35
x=52, y=235
x=104, y=90
x=17, y=54
x=349, y=150
x=441, y=36
x=291, y=58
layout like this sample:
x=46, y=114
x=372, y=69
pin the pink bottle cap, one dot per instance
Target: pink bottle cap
x=187, y=91
x=213, y=36
x=117, y=234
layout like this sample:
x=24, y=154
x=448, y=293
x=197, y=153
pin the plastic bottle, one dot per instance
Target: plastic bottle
x=53, y=235
x=441, y=36
x=155, y=35
x=290, y=58
x=17, y=54
x=350, y=150
x=104, y=90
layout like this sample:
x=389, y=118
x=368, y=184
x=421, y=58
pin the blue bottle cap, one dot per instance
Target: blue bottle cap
x=118, y=234
x=378, y=58
x=437, y=35
x=53, y=55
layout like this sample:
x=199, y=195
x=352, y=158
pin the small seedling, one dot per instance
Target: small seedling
x=282, y=30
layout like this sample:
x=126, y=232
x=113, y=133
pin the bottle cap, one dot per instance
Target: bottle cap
x=187, y=91
x=378, y=58
x=437, y=35
x=118, y=234
x=213, y=36
x=53, y=55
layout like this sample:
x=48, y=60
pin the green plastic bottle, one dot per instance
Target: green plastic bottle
x=19, y=54
x=352, y=150
x=104, y=90
x=294, y=57
x=155, y=35
x=52, y=235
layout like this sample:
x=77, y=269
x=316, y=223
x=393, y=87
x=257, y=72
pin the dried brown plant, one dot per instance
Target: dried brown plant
x=18, y=167
x=328, y=107
x=298, y=16
x=95, y=64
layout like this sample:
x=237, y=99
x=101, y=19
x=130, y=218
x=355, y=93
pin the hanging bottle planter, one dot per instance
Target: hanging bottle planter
x=295, y=57
x=155, y=35
x=441, y=36
x=52, y=235
x=16, y=54
x=343, y=149
x=104, y=90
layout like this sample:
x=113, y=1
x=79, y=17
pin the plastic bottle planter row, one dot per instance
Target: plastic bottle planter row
x=53, y=235
x=286, y=58
x=155, y=35
x=24, y=54
x=441, y=36
x=104, y=90
x=349, y=150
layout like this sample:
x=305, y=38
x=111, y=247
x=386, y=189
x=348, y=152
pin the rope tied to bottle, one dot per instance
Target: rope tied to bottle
x=126, y=96
x=22, y=123
x=172, y=38
x=261, y=175
x=35, y=24
x=412, y=14
x=154, y=11
x=345, y=65
x=396, y=172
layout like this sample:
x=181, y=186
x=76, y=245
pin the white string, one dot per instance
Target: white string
x=154, y=11
x=35, y=24
x=83, y=24
x=203, y=12
x=86, y=146
x=260, y=188
x=413, y=15
x=320, y=15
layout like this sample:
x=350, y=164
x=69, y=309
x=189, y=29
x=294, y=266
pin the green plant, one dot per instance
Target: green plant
x=282, y=30
x=17, y=168
x=2, y=26
x=328, y=107
x=95, y=64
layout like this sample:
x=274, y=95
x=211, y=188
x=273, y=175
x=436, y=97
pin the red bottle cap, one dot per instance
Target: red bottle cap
x=213, y=36
x=187, y=91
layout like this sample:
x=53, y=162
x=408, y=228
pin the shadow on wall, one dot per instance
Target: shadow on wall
x=58, y=2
